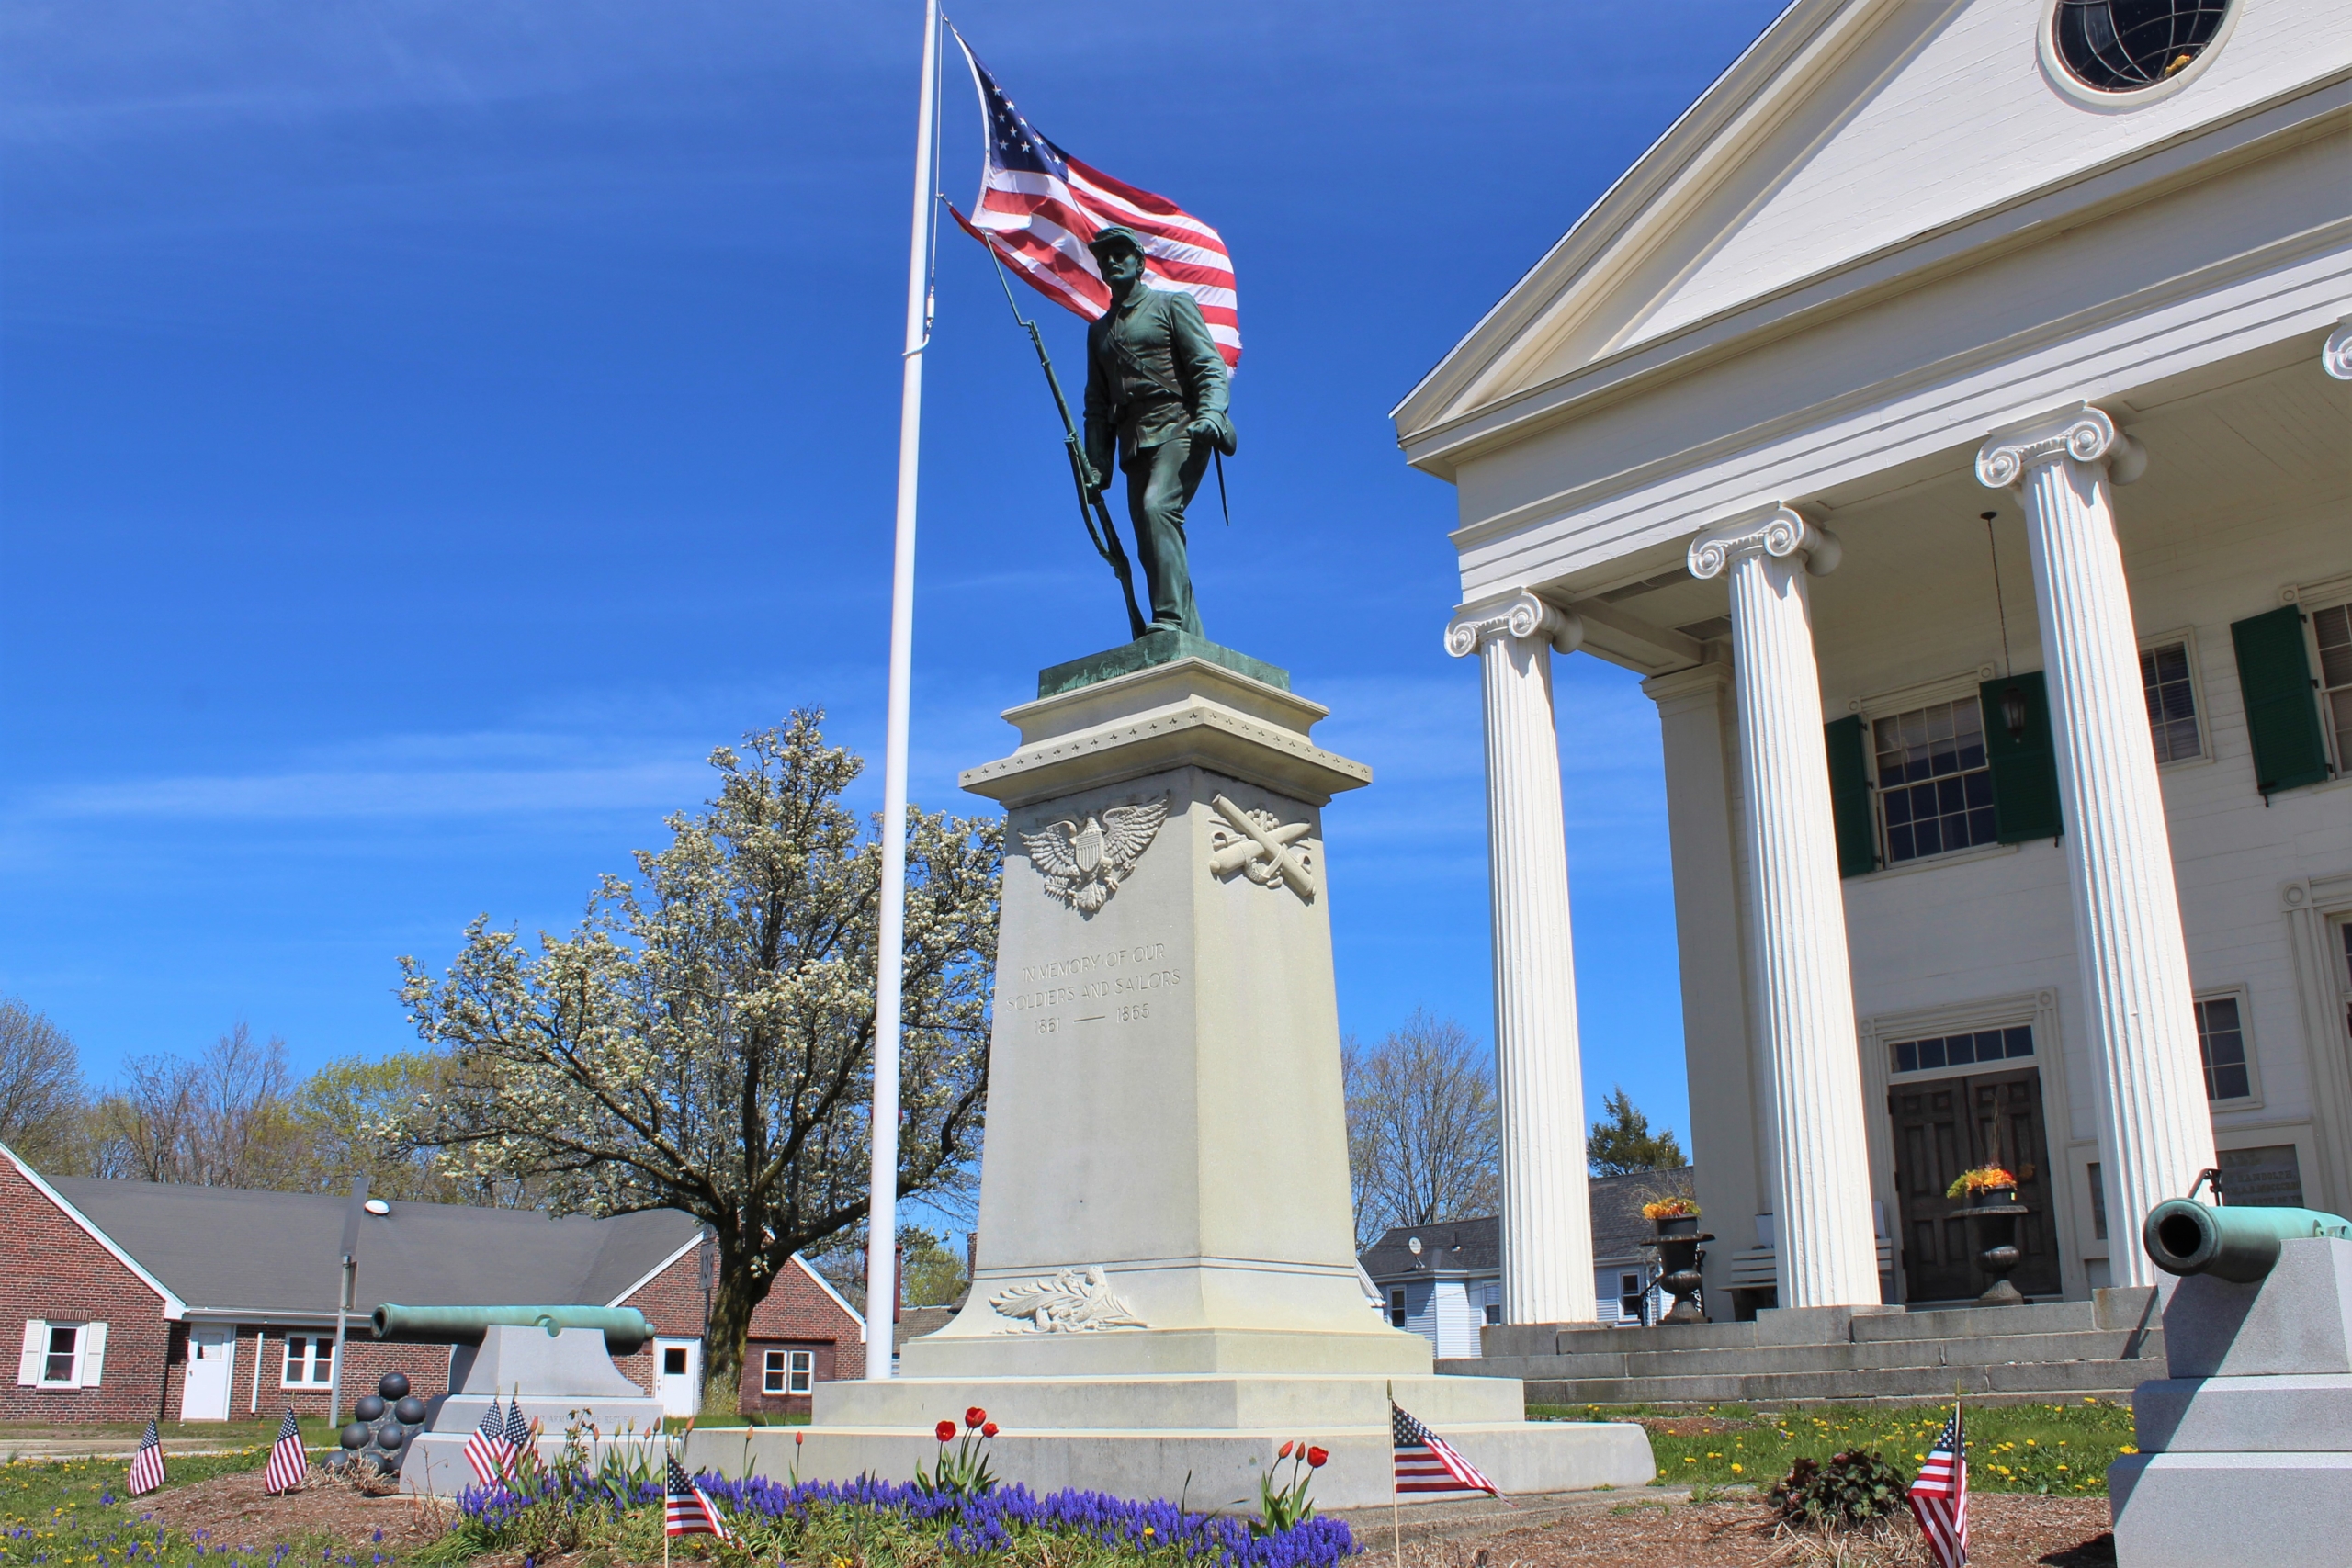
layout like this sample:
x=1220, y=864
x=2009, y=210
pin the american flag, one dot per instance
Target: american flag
x=1940, y=1498
x=1427, y=1462
x=1039, y=206
x=487, y=1449
x=286, y=1465
x=689, y=1510
x=147, y=1465
x=520, y=1438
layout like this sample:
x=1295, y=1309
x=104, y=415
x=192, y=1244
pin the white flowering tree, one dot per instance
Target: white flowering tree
x=704, y=1040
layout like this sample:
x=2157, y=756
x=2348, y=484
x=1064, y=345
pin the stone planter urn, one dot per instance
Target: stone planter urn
x=1678, y=1258
x=1994, y=1211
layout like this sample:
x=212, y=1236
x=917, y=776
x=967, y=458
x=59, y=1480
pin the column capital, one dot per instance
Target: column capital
x=2337, y=357
x=1518, y=614
x=1776, y=530
x=2085, y=433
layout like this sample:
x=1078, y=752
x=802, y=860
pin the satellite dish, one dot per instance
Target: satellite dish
x=1414, y=1243
x=377, y=1206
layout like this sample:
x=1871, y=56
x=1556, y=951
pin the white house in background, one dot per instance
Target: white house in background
x=1949, y=417
x=1444, y=1280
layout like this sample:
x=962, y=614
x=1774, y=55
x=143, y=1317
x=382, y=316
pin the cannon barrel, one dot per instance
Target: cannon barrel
x=2238, y=1244
x=625, y=1328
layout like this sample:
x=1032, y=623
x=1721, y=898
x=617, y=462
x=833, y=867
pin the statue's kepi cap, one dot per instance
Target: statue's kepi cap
x=1115, y=234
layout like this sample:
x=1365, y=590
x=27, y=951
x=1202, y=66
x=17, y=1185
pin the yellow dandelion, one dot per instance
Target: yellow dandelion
x=1735, y=1470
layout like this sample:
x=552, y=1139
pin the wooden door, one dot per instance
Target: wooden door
x=1943, y=1127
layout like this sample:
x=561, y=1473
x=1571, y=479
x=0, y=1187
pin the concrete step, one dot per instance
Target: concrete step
x=2052, y=1381
x=1637, y=1359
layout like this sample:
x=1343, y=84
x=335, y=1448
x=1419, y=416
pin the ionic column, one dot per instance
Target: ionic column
x=1827, y=1253
x=2335, y=357
x=1547, y=1217
x=2155, y=1133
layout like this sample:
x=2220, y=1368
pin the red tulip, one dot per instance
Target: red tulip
x=1282, y=1452
x=945, y=1430
x=975, y=1416
x=989, y=1429
x=1315, y=1458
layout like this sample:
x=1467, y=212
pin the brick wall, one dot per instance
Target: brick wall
x=54, y=1269
x=797, y=1314
x=427, y=1367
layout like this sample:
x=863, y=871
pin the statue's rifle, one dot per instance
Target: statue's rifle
x=1091, y=509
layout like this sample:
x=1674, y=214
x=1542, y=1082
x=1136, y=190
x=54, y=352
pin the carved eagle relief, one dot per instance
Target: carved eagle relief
x=1084, y=863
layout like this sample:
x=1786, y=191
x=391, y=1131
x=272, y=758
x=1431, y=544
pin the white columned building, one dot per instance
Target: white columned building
x=1547, y=1220
x=2024, y=838
x=2139, y=1017
x=1805, y=997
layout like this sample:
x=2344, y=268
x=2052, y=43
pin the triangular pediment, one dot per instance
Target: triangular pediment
x=1850, y=128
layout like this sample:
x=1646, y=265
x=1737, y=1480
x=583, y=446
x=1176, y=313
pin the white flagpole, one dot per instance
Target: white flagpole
x=882, y=1214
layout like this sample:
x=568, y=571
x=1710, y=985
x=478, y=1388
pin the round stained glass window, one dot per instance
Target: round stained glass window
x=2122, y=46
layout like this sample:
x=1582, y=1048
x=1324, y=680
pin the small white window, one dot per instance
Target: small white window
x=2172, y=702
x=61, y=1364
x=803, y=1365
x=309, y=1361
x=1630, y=1290
x=772, y=1372
x=2221, y=1041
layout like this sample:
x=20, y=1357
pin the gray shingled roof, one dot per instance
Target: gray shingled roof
x=225, y=1249
x=1475, y=1246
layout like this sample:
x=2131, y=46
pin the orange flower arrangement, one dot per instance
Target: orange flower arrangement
x=1984, y=1178
x=1670, y=1209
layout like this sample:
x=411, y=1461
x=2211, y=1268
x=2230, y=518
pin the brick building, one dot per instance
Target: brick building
x=210, y=1302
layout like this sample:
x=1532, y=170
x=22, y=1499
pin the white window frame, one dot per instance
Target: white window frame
x=800, y=1372
x=2312, y=598
x=72, y=1378
x=1640, y=1294
x=320, y=1354
x=1874, y=706
x=2252, y=1099
x=772, y=1371
x=1400, y=1316
x=2186, y=638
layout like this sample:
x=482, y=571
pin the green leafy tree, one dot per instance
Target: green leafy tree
x=932, y=1276
x=1622, y=1141
x=704, y=1040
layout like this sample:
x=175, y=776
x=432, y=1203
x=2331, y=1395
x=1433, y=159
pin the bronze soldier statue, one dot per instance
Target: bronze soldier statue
x=1156, y=386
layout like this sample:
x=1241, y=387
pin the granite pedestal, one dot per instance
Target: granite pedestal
x=1166, y=1283
x=559, y=1380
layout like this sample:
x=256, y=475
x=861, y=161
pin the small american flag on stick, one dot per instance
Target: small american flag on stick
x=287, y=1464
x=1427, y=1462
x=689, y=1510
x=1039, y=207
x=1940, y=1498
x=487, y=1449
x=520, y=1434
x=147, y=1465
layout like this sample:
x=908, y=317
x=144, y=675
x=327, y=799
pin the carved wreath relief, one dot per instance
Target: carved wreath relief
x=1261, y=847
x=1083, y=864
x=1076, y=1300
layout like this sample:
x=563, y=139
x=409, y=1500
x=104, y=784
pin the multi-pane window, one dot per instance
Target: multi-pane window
x=1396, y=1307
x=2220, y=1040
x=1961, y=1050
x=788, y=1372
x=61, y=1362
x=310, y=1360
x=2172, y=702
x=2333, y=628
x=1935, y=790
x=1630, y=1290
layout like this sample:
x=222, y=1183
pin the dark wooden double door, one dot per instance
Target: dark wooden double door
x=1943, y=1127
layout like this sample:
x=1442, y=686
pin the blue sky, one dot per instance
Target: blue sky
x=426, y=429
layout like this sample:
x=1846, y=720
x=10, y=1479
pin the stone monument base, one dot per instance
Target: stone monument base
x=559, y=1380
x=2250, y=1440
x=1207, y=1437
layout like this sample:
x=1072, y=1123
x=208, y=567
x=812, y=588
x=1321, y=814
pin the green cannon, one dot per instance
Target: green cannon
x=625, y=1328
x=2240, y=1244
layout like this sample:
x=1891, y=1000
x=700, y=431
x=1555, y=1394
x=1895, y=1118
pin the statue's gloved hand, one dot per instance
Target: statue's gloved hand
x=1214, y=427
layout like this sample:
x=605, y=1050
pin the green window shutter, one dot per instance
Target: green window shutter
x=2025, y=766
x=1849, y=798
x=2281, y=717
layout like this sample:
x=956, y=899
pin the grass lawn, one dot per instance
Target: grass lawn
x=2059, y=1449
x=72, y=1513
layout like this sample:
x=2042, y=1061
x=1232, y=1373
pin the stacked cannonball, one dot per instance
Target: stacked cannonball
x=383, y=1425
